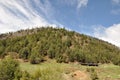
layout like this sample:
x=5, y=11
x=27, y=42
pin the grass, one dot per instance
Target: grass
x=51, y=65
x=45, y=71
x=53, y=71
x=109, y=71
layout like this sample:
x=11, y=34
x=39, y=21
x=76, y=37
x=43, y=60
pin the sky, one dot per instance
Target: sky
x=97, y=18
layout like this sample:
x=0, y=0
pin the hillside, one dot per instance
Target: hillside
x=39, y=44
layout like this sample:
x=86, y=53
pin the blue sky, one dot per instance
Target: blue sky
x=97, y=18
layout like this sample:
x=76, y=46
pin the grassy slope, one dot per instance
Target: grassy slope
x=49, y=70
x=55, y=70
x=109, y=70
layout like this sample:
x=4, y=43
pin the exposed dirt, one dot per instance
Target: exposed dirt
x=67, y=77
x=77, y=75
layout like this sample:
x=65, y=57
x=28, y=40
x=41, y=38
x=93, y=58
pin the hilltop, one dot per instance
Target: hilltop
x=40, y=44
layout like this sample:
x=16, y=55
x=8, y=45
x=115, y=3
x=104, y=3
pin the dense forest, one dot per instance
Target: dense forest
x=39, y=44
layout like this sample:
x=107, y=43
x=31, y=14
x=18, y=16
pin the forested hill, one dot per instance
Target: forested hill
x=39, y=44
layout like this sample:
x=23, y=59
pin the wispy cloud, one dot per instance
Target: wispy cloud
x=116, y=7
x=82, y=3
x=110, y=34
x=115, y=11
x=79, y=3
x=22, y=14
x=116, y=2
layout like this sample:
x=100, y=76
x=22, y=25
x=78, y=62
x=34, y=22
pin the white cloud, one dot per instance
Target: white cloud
x=82, y=3
x=22, y=14
x=110, y=34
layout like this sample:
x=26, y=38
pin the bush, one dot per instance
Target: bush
x=8, y=67
x=36, y=59
x=18, y=75
x=26, y=76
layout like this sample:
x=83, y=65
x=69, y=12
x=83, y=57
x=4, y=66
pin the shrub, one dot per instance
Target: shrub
x=26, y=76
x=36, y=59
x=8, y=67
x=18, y=75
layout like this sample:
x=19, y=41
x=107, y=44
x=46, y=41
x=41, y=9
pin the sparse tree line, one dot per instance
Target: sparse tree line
x=60, y=44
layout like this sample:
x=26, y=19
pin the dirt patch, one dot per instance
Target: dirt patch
x=20, y=60
x=77, y=75
x=67, y=77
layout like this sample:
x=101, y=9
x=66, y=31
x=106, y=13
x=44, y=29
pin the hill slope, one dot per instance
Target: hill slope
x=64, y=46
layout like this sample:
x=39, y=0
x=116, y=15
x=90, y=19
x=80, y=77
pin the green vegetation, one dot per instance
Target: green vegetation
x=55, y=54
x=57, y=43
x=12, y=70
x=104, y=71
x=93, y=73
x=8, y=67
